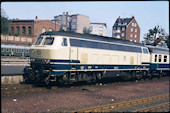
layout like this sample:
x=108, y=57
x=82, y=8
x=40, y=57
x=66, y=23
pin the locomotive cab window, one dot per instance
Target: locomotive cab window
x=48, y=41
x=145, y=51
x=38, y=41
x=64, y=42
x=7, y=50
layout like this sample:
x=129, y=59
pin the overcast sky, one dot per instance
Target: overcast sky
x=147, y=13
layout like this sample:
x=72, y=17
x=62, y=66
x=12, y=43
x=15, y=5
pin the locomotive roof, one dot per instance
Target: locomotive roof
x=93, y=37
x=155, y=49
x=13, y=46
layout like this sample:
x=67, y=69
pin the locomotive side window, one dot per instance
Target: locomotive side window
x=2, y=49
x=155, y=58
x=38, y=41
x=94, y=44
x=48, y=41
x=165, y=58
x=100, y=45
x=17, y=50
x=159, y=58
x=64, y=42
x=83, y=43
x=74, y=42
x=145, y=51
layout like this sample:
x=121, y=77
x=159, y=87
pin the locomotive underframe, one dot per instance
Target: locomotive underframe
x=45, y=74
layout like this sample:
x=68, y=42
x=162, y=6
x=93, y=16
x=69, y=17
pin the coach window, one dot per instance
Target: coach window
x=17, y=50
x=2, y=49
x=159, y=58
x=64, y=42
x=27, y=51
x=165, y=58
x=155, y=58
x=48, y=41
x=22, y=51
x=7, y=50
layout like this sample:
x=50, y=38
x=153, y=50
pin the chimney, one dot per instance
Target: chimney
x=133, y=17
x=36, y=17
x=119, y=20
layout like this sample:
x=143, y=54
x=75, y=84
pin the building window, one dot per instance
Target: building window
x=123, y=28
x=135, y=35
x=165, y=58
x=131, y=29
x=43, y=29
x=29, y=30
x=17, y=30
x=132, y=24
x=12, y=30
x=155, y=58
x=131, y=35
x=131, y=40
x=23, y=30
x=135, y=24
x=159, y=58
x=118, y=28
x=135, y=30
x=50, y=29
x=134, y=40
x=123, y=34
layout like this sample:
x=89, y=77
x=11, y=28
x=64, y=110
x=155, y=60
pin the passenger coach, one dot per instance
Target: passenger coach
x=69, y=57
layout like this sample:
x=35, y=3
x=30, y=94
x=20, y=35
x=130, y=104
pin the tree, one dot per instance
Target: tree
x=4, y=22
x=156, y=37
x=86, y=30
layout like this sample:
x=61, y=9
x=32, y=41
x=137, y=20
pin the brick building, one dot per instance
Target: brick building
x=28, y=29
x=127, y=29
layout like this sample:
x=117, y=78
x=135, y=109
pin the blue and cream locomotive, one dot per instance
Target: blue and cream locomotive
x=68, y=57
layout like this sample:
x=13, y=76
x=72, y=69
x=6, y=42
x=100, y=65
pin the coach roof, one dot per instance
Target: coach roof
x=91, y=37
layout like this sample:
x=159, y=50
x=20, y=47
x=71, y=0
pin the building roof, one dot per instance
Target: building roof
x=100, y=24
x=92, y=37
x=123, y=21
x=22, y=20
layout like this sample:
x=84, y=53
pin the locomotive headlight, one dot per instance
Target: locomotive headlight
x=32, y=59
x=46, y=61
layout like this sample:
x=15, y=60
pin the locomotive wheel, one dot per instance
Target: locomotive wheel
x=144, y=74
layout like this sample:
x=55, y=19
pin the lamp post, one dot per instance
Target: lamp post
x=55, y=23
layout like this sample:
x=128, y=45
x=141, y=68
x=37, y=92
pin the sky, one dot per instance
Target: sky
x=148, y=14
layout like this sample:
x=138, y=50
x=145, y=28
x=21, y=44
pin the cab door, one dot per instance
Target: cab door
x=73, y=53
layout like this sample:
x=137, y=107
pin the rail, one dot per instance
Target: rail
x=122, y=104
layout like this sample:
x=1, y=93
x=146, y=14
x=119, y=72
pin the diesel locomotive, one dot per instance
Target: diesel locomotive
x=67, y=57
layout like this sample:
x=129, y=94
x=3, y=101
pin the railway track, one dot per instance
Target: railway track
x=112, y=107
x=23, y=88
x=154, y=108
